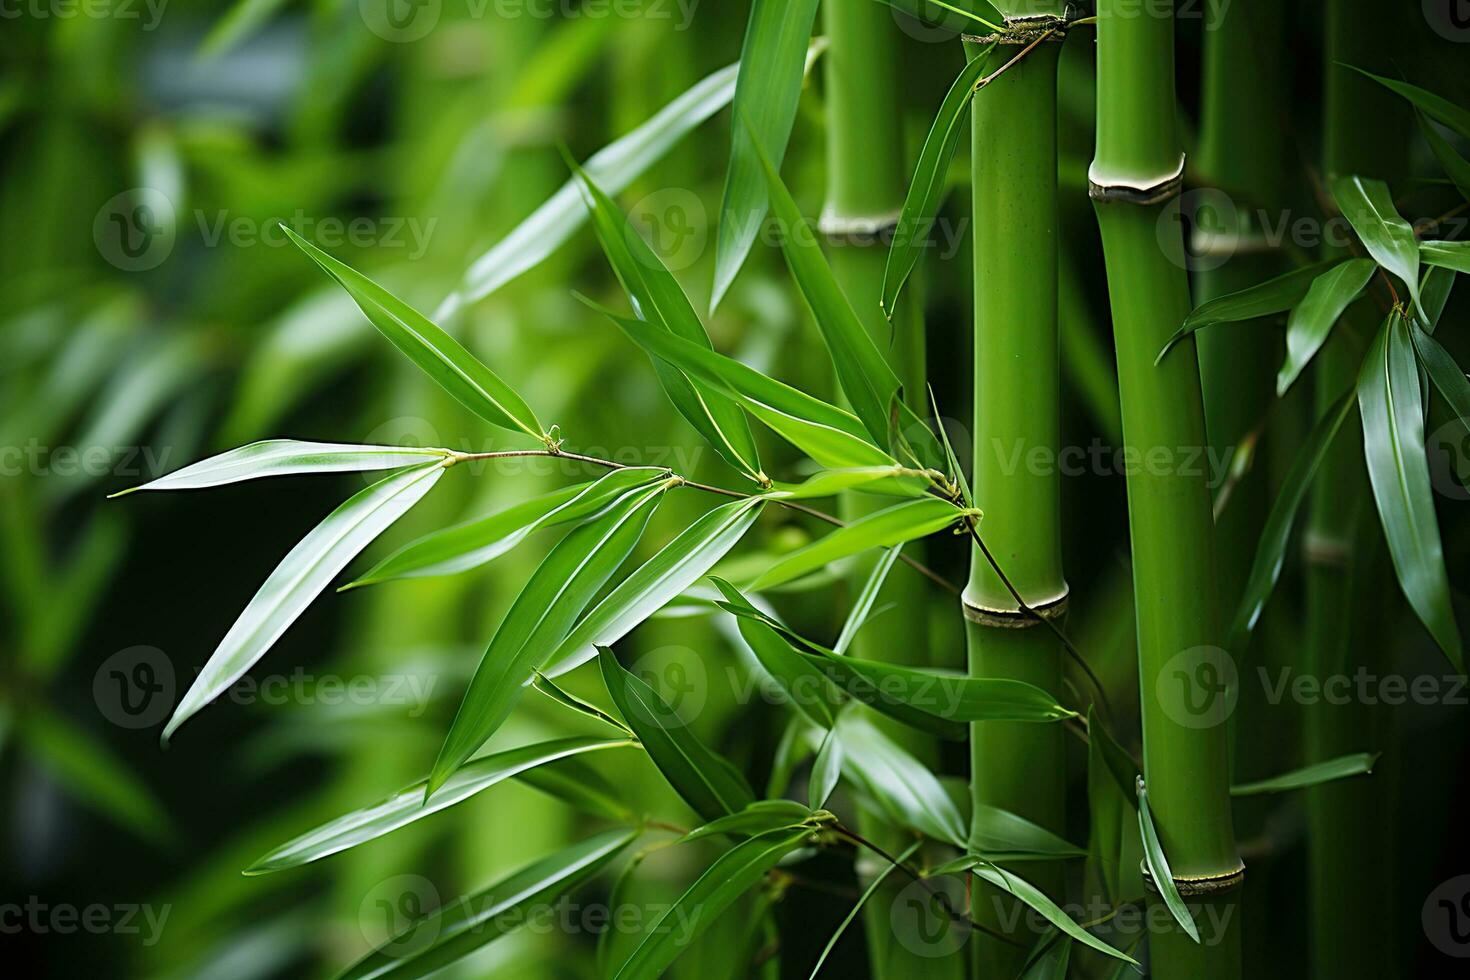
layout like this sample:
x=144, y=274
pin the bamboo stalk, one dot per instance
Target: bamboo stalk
x=1018, y=767
x=866, y=178
x=1350, y=853
x=1135, y=179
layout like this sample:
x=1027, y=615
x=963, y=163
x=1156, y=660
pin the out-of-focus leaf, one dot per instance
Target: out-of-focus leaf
x=283, y=457
x=926, y=190
x=862, y=372
x=1271, y=552
x=1309, y=324
x=852, y=913
x=475, y=543
x=967, y=16
x=1049, y=960
x=905, y=789
x=826, y=433
x=1450, y=160
x=1273, y=296
x=1391, y=403
x=1447, y=255
x=242, y=20
x=760, y=817
x=1357, y=764
x=881, y=529
x=892, y=479
x=459, y=928
x=793, y=749
x=826, y=771
x=1158, y=866
x=706, y=781
x=407, y=805
x=862, y=606
x=678, y=565
x=766, y=93
x=1109, y=798
x=660, y=300
x=1437, y=107
x=300, y=578
x=436, y=353
x=735, y=872
x=539, y=619
x=1368, y=206
x=578, y=784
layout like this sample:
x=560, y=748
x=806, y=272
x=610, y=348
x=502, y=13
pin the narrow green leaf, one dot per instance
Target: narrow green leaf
x=1392, y=407
x=1000, y=835
x=766, y=93
x=807, y=687
x=1357, y=764
x=709, y=784
x=465, y=546
x=1455, y=166
x=1018, y=887
x=1444, y=372
x=1158, y=866
x=282, y=457
x=863, y=374
x=852, y=913
x=794, y=748
x=1435, y=106
x=659, y=299
x=1368, y=206
x=760, y=817
x=891, y=479
x=905, y=789
x=300, y=577
x=926, y=190
x=826, y=771
x=407, y=805
x=862, y=606
x=243, y=19
x=457, y=929
x=539, y=619
x=1271, y=552
x=1273, y=296
x=566, y=699
x=579, y=785
x=1447, y=255
x=436, y=353
x=966, y=16
x=1049, y=962
x=736, y=872
x=677, y=566
x=1309, y=324
x=882, y=529
x=1435, y=288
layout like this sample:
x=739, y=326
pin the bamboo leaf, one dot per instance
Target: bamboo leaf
x=905, y=789
x=862, y=606
x=892, y=479
x=1018, y=887
x=826, y=771
x=793, y=749
x=1439, y=108
x=709, y=784
x=829, y=435
x=733, y=874
x=1444, y=372
x=852, y=913
x=1368, y=206
x=407, y=805
x=1272, y=296
x=1455, y=166
x=1391, y=403
x=566, y=699
x=472, y=544
x=1357, y=764
x=678, y=565
x=1435, y=288
x=882, y=529
x=1271, y=552
x=863, y=374
x=457, y=929
x=539, y=619
x=1447, y=255
x=300, y=577
x=1158, y=866
x=282, y=457
x=1313, y=319
x=658, y=299
x=436, y=353
x=999, y=835
x=966, y=16
x=243, y=19
x=1049, y=961
x=760, y=817
x=578, y=784
x=807, y=687
x=926, y=190
x=766, y=93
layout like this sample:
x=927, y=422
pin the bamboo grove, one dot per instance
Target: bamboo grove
x=994, y=747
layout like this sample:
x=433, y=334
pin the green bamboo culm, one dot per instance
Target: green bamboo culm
x=1134, y=181
x=866, y=179
x=1347, y=575
x=1015, y=766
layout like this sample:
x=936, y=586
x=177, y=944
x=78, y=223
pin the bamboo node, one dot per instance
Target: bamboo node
x=858, y=229
x=1324, y=550
x=1124, y=190
x=1188, y=885
x=1015, y=619
x=1024, y=30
